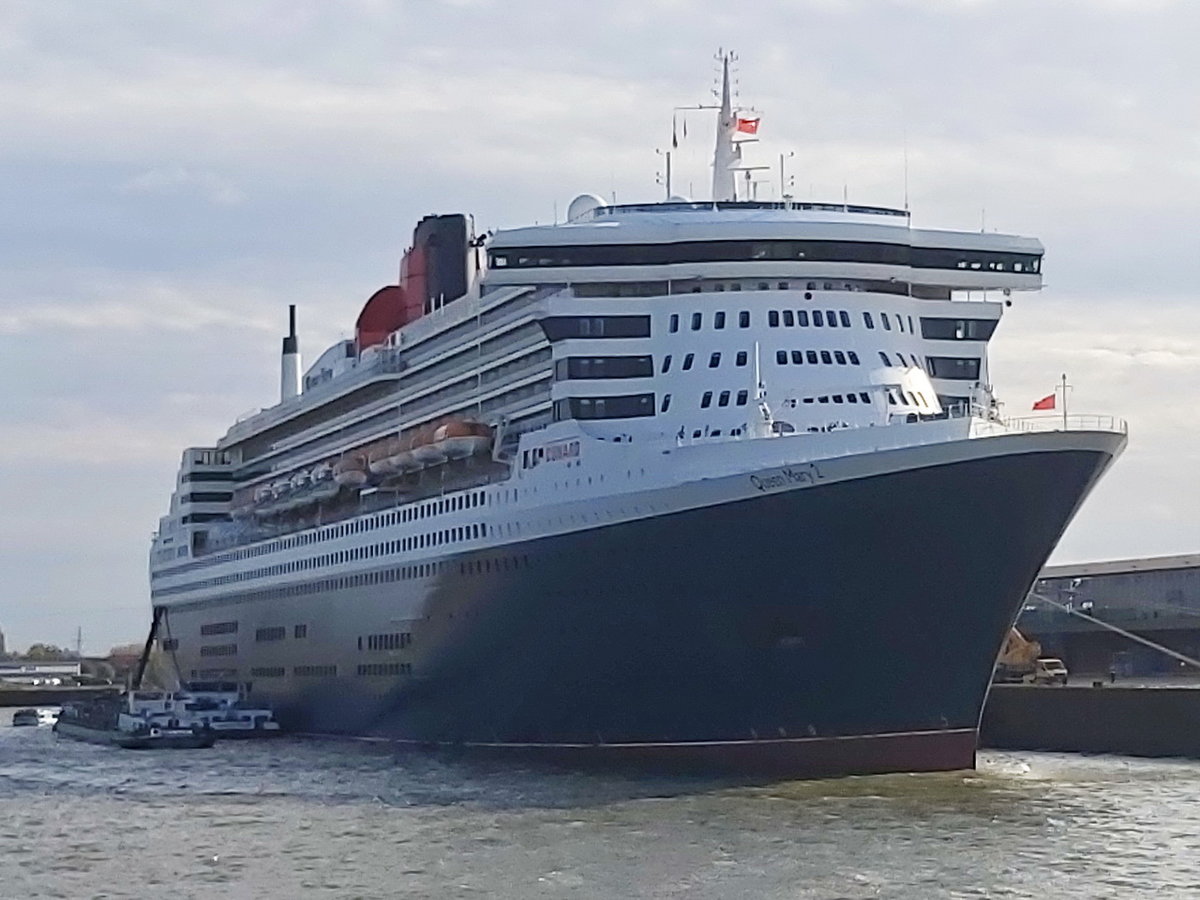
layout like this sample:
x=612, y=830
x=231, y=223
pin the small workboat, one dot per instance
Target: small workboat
x=220, y=706
x=34, y=716
x=109, y=720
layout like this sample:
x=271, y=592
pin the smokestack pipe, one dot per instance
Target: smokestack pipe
x=289, y=373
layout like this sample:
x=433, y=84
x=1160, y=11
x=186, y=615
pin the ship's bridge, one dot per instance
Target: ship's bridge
x=702, y=240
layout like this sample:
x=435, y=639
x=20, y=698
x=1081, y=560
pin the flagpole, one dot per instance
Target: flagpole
x=1064, y=392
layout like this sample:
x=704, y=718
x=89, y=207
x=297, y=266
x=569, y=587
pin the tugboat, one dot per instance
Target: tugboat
x=117, y=721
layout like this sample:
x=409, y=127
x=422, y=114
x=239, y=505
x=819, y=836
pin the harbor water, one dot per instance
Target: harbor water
x=324, y=818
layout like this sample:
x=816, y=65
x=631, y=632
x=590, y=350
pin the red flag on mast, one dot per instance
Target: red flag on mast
x=746, y=126
x=1045, y=403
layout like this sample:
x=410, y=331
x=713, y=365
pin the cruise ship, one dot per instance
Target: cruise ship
x=719, y=485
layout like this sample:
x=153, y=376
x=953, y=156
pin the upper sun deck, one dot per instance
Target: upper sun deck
x=675, y=222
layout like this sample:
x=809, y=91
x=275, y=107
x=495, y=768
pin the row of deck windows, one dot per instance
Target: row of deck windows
x=748, y=251
x=321, y=586
x=394, y=641
x=412, y=512
x=370, y=551
x=817, y=357
x=802, y=317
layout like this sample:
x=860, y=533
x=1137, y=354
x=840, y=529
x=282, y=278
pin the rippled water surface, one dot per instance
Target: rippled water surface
x=295, y=818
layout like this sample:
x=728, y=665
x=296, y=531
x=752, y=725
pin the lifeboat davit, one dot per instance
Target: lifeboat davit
x=324, y=486
x=300, y=494
x=424, y=450
x=402, y=459
x=271, y=498
x=462, y=438
x=351, y=470
x=379, y=458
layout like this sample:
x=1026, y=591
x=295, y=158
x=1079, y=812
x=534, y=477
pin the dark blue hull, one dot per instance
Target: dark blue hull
x=847, y=627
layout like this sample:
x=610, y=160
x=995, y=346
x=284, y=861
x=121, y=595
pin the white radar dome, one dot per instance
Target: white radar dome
x=679, y=198
x=583, y=206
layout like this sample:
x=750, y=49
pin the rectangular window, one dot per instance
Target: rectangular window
x=773, y=318
x=844, y=317
x=868, y=321
x=697, y=320
x=818, y=319
x=938, y=329
x=585, y=367
x=958, y=368
x=714, y=360
x=666, y=366
x=781, y=357
x=674, y=323
x=558, y=328
x=831, y=318
x=219, y=628
x=789, y=319
x=798, y=357
x=811, y=356
x=783, y=285
x=719, y=320
x=853, y=357
x=744, y=319
x=887, y=324
x=687, y=361
x=277, y=633
x=826, y=358
x=839, y=357
x=666, y=403
x=170, y=644
x=742, y=397
x=300, y=631
x=219, y=650
x=883, y=358
x=706, y=400
x=802, y=318
x=627, y=406
x=723, y=398
x=741, y=358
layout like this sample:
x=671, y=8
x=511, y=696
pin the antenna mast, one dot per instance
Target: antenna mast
x=727, y=154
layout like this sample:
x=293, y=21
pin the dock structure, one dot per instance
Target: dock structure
x=1131, y=721
x=1157, y=598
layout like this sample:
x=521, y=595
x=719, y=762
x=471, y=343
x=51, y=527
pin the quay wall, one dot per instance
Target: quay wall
x=1134, y=721
x=53, y=696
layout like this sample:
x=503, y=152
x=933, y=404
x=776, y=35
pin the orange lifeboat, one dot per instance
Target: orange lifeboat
x=379, y=458
x=462, y=438
x=351, y=470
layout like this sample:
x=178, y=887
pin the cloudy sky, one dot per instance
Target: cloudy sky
x=172, y=175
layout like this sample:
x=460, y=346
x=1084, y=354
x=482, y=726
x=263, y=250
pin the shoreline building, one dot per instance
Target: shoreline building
x=1154, y=597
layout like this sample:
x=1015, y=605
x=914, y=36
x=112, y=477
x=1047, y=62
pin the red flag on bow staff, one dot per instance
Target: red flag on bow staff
x=1045, y=403
x=747, y=126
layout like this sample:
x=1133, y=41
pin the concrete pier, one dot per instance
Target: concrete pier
x=1135, y=721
